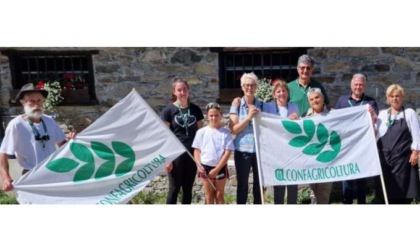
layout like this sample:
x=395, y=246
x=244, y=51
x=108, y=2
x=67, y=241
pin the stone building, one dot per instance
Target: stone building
x=97, y=78
x=102, y=76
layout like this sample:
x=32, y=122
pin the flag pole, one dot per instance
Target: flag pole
x=258, y=156
x=381, y=176
x=383, y=189
x=198, y=164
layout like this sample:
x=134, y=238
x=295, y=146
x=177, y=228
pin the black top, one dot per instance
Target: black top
x=183, y=122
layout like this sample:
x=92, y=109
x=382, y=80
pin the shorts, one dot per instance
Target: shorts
x=223, y=173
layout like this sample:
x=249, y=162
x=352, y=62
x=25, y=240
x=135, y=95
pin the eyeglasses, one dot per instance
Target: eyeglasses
x=303, y=68
x=249, y=85
x=213, y=105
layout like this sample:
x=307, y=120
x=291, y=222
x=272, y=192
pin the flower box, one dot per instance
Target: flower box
x=76, y=96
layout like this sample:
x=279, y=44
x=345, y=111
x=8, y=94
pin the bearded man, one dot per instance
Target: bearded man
x=31, y=137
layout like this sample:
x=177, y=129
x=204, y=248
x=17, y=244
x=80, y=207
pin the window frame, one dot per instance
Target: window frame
x=290, y=66
x=17, y=55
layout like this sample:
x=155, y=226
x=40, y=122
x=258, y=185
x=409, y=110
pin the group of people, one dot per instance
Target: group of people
x=397, y=132
x=33, y=135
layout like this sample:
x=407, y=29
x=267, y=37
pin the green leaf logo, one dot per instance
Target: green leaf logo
x=294, y=128
x=329, y=155
x=86, y=157
x=312, y=149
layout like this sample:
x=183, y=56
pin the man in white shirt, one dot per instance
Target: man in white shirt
x=32, y=136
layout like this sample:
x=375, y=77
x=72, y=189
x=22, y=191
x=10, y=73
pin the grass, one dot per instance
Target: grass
x=152, y=197
x=159, y=197
x=6, y=199
x=304, y=196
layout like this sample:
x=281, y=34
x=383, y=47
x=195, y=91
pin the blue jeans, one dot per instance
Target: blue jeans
x=243, y=163
x=348, y=191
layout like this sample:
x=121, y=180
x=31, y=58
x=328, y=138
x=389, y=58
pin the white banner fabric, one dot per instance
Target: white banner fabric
x=323, y=148
x=109, y=162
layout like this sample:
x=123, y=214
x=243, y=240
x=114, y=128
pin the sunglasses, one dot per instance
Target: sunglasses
x=213, y=105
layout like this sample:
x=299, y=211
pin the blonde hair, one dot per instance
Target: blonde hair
x=278, y=83
x=394, y=88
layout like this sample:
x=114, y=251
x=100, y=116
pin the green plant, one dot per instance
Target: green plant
x=54, y=94
x=151, y=197
x=264, y=90
x=268, y=198
x=6, y=199
x=304, y=196
x=230, y=199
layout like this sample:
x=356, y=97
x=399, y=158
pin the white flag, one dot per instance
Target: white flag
x=108, y=163
x=335, y=147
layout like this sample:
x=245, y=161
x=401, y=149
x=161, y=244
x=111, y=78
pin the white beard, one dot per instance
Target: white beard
x=33, y=114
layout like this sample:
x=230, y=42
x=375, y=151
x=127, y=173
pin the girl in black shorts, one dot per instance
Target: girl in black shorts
x=212, y=148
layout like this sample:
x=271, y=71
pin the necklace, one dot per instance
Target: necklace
x=184, y=117
x=391, y=122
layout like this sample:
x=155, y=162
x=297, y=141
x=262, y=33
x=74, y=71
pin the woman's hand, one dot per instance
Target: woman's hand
x=252, y=110
x=213, y=173
x=414, y=158
x=293, y=116
x=236, y=102
x=169, y=167
x=200, y=169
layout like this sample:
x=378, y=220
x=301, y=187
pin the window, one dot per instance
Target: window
x=72, y=69
x=265, y=64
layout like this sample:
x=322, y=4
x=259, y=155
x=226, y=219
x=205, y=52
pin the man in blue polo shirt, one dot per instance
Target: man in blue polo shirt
x=357, y=98
x=298, y=88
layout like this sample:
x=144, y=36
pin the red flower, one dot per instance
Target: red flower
x=40, y=85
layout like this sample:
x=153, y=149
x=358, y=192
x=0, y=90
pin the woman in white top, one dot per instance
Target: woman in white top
x=398, y=136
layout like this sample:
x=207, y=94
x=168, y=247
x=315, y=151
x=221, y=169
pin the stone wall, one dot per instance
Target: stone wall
x=382, y=66
x=118, y=70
